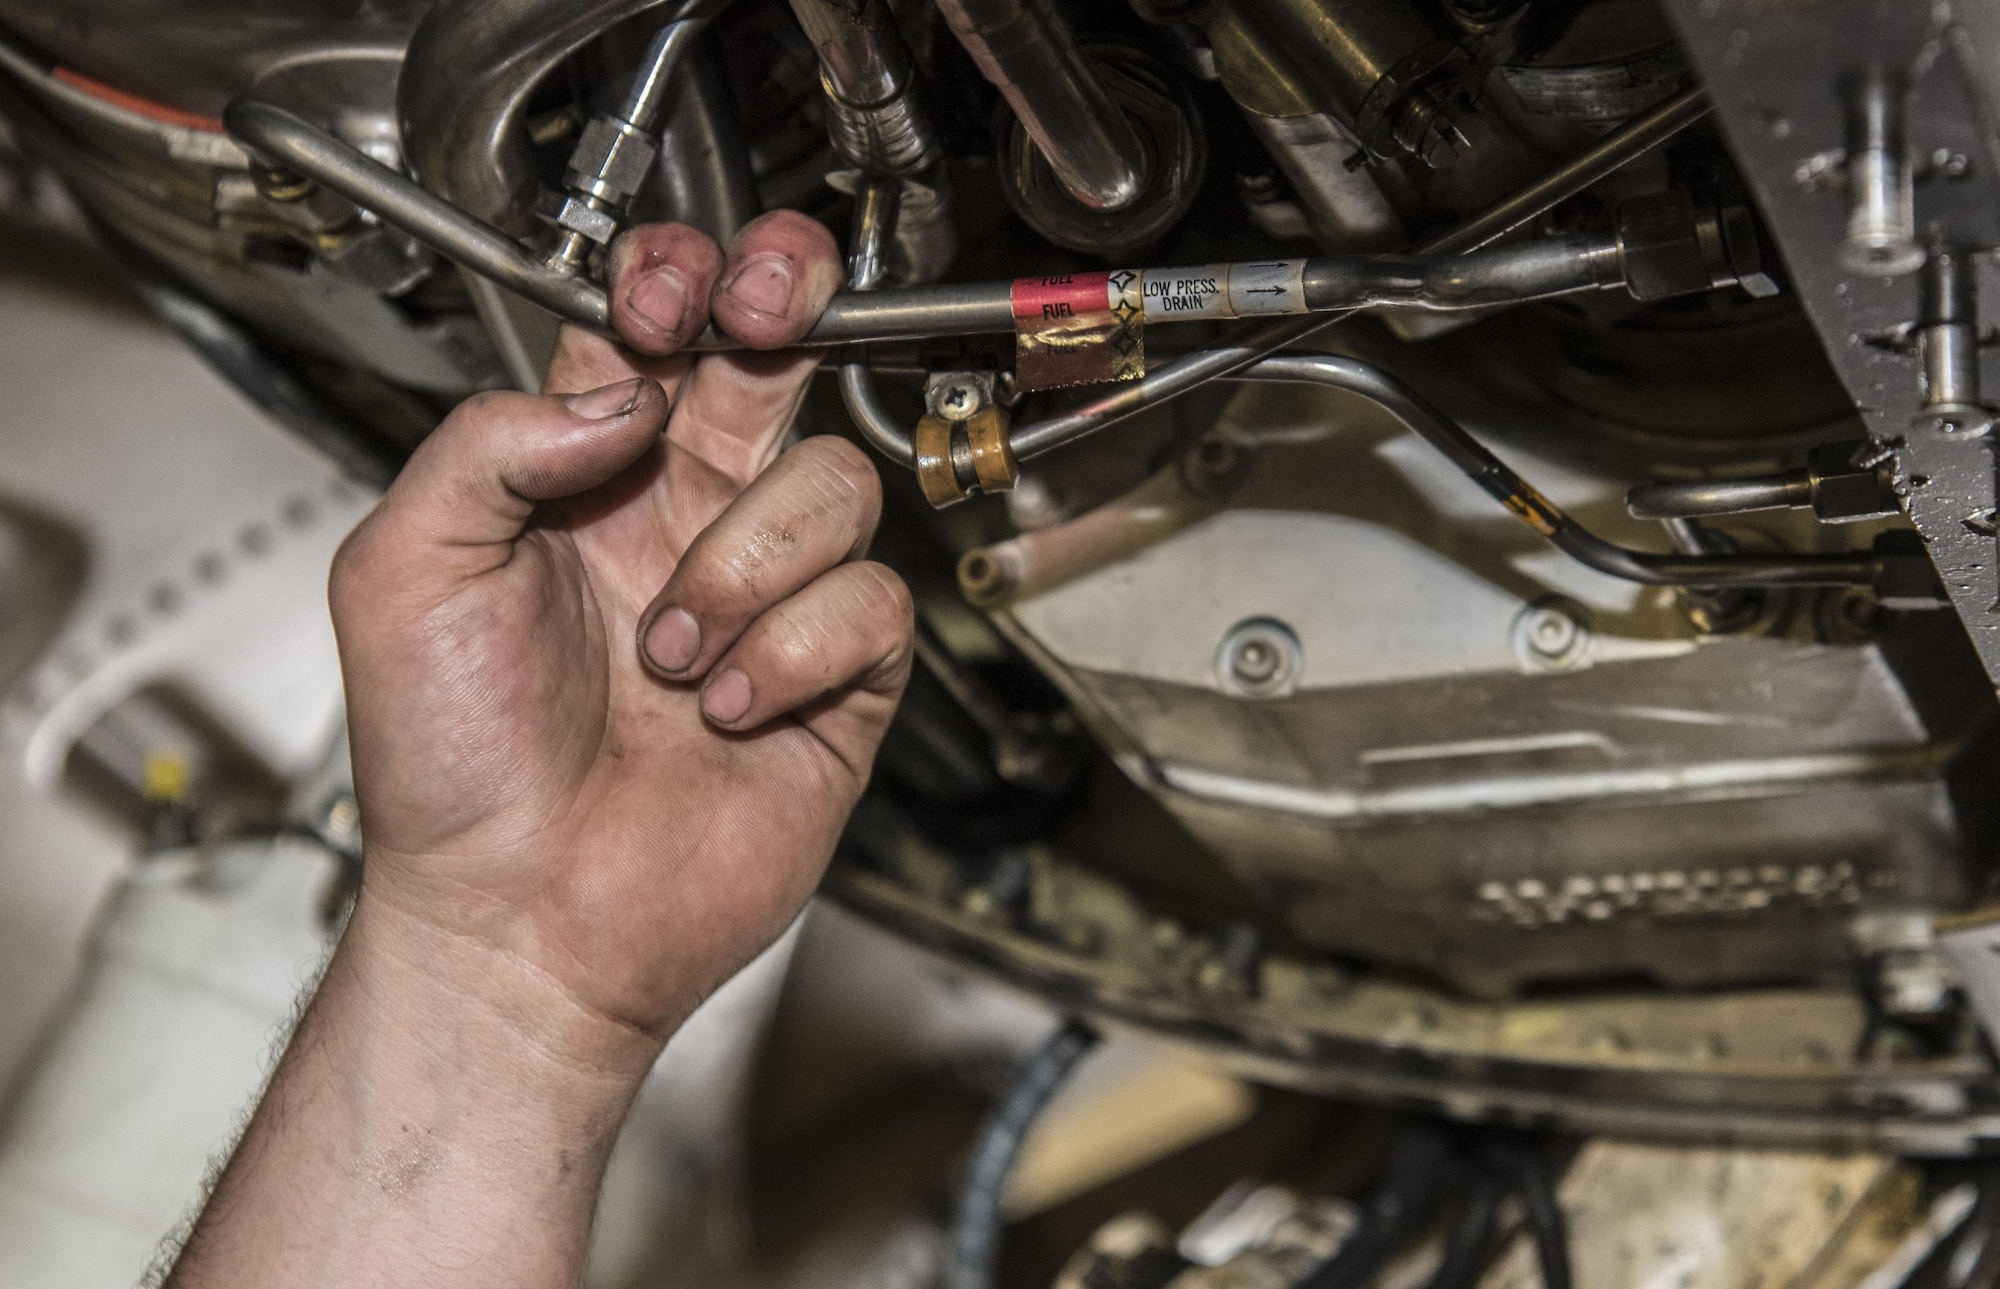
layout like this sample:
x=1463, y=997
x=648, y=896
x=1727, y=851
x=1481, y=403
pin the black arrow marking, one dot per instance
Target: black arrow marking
x=1265, y=290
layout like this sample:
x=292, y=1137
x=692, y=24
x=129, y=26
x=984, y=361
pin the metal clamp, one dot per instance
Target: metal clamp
x=962, y=443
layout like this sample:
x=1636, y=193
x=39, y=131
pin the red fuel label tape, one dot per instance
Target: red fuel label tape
x=1078, y=329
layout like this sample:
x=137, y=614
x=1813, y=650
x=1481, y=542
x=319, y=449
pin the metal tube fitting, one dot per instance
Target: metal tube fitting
x=1699, y=498
x=1171, y=380
x=873, y=117
x=452, y=232
x=1881, y=235
x=1029, y=54
x=1949, y=338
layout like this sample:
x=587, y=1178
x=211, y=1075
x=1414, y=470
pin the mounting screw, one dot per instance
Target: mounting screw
x=1552, y=635
x=1259, y=658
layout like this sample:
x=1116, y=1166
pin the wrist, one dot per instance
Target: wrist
x=509, y=1014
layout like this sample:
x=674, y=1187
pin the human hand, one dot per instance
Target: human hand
x=612, y=692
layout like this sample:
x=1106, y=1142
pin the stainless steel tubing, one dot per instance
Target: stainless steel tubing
x=432, y=220
x=1183, y=374
x=1029, y=54
x=466, y=78
x=852, y=317
x=1634, y=139
x=867, y=265
x=1564, y=533
x=1526, y=271
x=649, y=89
x=1506, y=274
x=873, y=116
x=863, y=56
x=702, y=176
x=467, y=74
x=1699, y=498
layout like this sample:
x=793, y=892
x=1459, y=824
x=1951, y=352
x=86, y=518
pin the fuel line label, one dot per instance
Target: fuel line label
x=1078, y=329
x=1085, y=328
x=1225, y=290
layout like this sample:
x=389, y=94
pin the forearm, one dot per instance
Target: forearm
x=441, y=1117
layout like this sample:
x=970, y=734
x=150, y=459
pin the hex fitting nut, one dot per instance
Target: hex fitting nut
x=1844, y=490
x=610, y=161
x=1667, y=247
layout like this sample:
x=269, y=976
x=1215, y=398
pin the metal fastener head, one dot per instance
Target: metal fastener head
x=1259, y=658
x=1552, y=635
x=958, y=395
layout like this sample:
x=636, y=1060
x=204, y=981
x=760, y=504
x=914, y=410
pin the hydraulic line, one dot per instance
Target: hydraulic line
x=975, y=1231
x=1170, y=381
x=1862, y=568
x=1327, y=286
x=1530, y=270
x=1701, y=498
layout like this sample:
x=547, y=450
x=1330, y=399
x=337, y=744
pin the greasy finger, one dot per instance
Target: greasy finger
x=849, y=629
x=733, y=410
x=782, y=269
x=469, y=490
x=660, y=277
x=814, y=508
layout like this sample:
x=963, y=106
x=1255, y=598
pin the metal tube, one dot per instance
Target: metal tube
x=1526, y=271
x=1538, y=512
x=1949, y=336
x=974, y=308
x=874, y=117
x=655, y=78
x=1881, y=237
x=867, y=265
x=863, y=56
x=1183, y=374
x=439, y=224
x=1698, y=498
x=1029, y=54
x=1634, y=139
x=702, y=176
x=467, y=75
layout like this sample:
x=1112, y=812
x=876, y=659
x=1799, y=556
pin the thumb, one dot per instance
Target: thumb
x=473, y=484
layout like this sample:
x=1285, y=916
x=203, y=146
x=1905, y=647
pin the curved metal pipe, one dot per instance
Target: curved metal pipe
x=1696, y=499
x=1543, y=515
x=1634, y=139
x=467, y=75
x=1029, y=54
x=473, y=243
x=702, y=175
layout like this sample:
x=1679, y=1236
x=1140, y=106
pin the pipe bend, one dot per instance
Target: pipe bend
x=864, y=403
x=466, y=77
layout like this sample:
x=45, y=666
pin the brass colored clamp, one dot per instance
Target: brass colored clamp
x=932, y=441
x=961, y=443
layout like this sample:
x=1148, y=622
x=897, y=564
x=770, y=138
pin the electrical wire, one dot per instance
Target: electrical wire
x=1405, y=1198
x=975, y=1233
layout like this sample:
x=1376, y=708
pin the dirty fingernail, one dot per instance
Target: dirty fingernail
x=660, y=297
x=763, y=283
x=606, y=401
x=727, y=697
x=673, y=640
